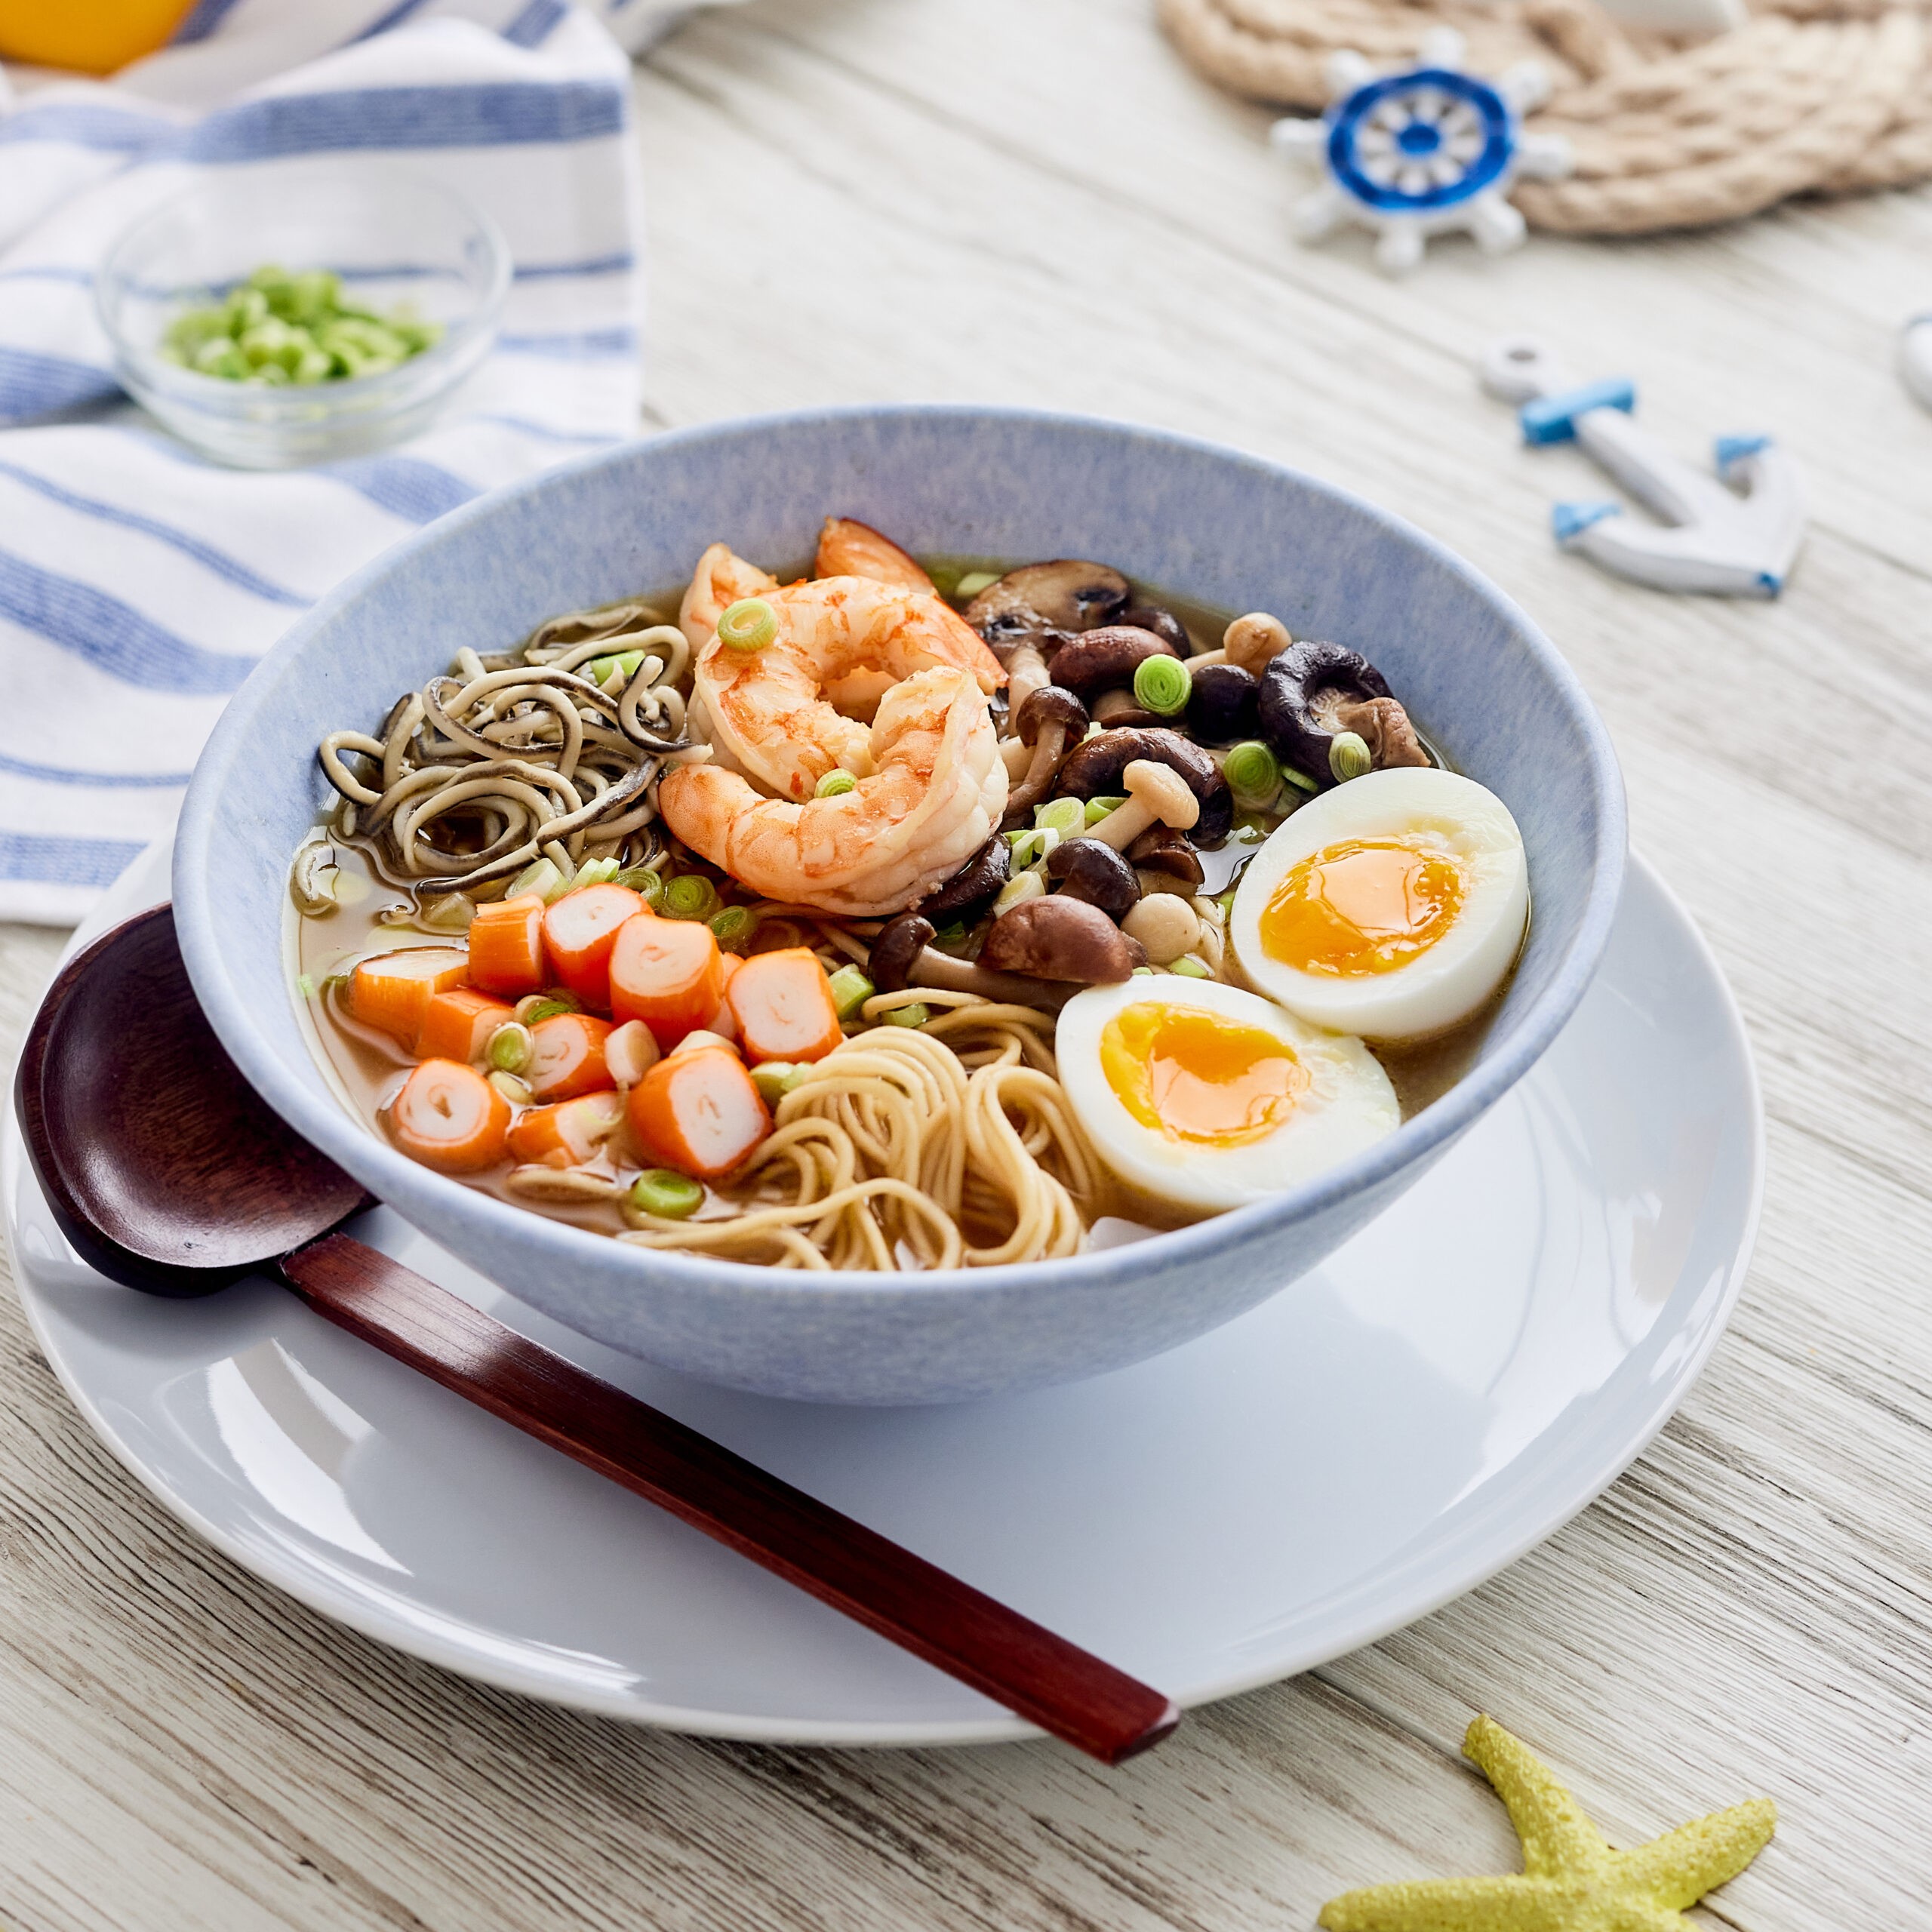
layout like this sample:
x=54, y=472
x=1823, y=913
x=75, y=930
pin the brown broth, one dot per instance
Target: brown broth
x=366, y=1067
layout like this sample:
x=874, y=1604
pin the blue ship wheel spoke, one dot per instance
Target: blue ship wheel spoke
x=1422, y=141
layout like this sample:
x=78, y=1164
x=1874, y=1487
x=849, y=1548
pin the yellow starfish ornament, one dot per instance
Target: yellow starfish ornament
x=1571, y=1880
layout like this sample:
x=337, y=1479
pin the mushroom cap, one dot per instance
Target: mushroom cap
x=1097, y=770
x=1162, y=622
x=1107, y=658
x=1254, y=641
x=972, y=888
x=896, y=949
x=1050, y=704
x=1061, y=938
x=1220, y=704
x=1162, y=849
x=1114, y=709
x=1066, y=594
x=1164, y=791
x=1089, y=868
x=1301, y=690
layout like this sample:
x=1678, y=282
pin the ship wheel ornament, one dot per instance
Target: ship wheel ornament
x=1432, y=150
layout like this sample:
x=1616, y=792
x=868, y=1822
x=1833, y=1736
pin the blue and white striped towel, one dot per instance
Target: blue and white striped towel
x=139, y=583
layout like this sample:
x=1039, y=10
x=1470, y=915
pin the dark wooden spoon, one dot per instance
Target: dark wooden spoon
x=169, y=1174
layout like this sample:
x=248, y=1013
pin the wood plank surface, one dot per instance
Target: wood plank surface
x=1032, y=201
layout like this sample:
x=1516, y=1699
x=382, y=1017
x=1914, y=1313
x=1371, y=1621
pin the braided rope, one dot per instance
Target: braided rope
x=1831, y=97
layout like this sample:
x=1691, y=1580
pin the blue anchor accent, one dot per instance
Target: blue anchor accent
x=1726, y=450
x=1567, y=521
x=1553, y=419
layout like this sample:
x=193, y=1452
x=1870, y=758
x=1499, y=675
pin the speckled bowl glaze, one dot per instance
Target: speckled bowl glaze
x=1205, y=522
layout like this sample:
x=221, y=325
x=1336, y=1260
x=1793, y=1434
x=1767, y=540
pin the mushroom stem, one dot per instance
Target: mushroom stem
x=1047, y=749
x=1156, y=795
x=1025, y=672
x=1017, y=756
x=933, y=968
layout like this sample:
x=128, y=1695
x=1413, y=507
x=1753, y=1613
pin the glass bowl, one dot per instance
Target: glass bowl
x=399, y=240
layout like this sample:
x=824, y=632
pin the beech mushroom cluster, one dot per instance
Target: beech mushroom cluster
x=1116, y=733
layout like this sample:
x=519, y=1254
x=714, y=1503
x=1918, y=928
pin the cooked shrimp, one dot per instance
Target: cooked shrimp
x=849, y=548
x=722, y=578
x=789, y=714
x=933, y=792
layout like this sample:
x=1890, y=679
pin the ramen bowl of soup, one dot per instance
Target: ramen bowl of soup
x=898, y=905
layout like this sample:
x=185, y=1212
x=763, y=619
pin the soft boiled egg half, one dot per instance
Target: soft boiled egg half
x=1207, y=1097
x=1392, y=907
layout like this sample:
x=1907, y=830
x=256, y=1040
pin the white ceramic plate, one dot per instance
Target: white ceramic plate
x=1450, y=1388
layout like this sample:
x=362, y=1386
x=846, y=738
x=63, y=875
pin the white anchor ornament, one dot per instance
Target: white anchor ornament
x=1915, y=358
x=1432, y=150
x=1736, y=534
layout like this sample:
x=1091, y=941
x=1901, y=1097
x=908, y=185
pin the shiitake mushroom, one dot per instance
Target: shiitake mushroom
x=1094, y=771
x=1105, y=659
x=1163, y=623
x=971, y=889
x=1089, y=869
x=1066, y=594
x=1221, y=704
x=1306, y=691
x=1061, y=938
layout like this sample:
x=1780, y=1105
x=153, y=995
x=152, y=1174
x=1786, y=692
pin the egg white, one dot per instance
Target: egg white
x=1347, y=1105
x=1449, y=981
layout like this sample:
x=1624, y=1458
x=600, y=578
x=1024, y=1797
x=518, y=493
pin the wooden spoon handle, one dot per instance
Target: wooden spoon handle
x=1054, y=1684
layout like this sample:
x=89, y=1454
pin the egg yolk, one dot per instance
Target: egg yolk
x=1367, y=906
x=1197, y=1077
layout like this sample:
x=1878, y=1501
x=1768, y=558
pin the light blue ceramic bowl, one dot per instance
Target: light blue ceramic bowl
x=1209, y=523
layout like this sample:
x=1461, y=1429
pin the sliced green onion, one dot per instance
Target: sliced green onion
x=541, y=877
x=690, y=896
x=1066, y=817
x=1299, y=781
x=973, y=582
x=665, y=1193
x=1098, y=808
x=532, y=1011
x=1226, y=903
x=952, y=935
x=1189, y=967
x=625, y=664
x=305, y=986
x=510, y=1047
x=647, y=885
x=1253, y=772
x=734, y=925
x=1144, y=973
x=1017, y=890
x=598, y=872
x=917, y=1014
x=1161, y=685
x=775, y=1079
x=750, y=624
x=851, y=989
x=516, y=1091
x=1349, y=756
x=1025, y=848
x=452, y=912
x=835, y=785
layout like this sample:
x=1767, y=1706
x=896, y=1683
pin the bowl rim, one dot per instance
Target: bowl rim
x=450, y=357
x=396, y=1178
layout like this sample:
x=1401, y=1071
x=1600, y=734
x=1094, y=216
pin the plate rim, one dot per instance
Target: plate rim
x=360, y=1609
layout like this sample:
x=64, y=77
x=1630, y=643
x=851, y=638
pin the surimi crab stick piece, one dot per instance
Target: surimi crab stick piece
x=450, y=1118
x=457, y=1024
x=698, y=1112
x=569, y=1056
x=578, y=931
x=667, y=973
x=567, y=1133
x=507, y=946
x=783, y=1006
x=849, y=548
x=393, y=993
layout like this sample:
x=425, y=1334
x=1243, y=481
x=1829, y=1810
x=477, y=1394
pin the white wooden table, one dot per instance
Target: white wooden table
x=1031, y=201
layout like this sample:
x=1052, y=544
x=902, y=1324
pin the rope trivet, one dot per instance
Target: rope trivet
x=1820, y=96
